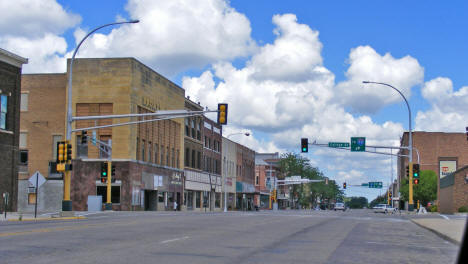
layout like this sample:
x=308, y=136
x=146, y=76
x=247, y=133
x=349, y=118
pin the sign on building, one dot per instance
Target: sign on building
x=446, y=167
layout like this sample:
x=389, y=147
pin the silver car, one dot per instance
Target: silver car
x=384, y=208
x=340, y=206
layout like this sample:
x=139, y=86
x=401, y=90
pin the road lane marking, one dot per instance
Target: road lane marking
x=173, y=240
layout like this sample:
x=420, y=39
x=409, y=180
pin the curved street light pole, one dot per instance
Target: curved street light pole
x=67, y=203
x=226, y=164
x=410, y=143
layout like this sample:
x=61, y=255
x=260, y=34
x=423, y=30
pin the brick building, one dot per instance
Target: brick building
x=454, y=191
x=229, y=171
x=147, y=156
x=10, y=98
x=245, y=179
x=443, y=153
x=42, y=126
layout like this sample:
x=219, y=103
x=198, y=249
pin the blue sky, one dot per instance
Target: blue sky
x=423, y=40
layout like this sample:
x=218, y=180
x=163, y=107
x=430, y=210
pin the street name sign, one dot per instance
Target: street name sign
x=377, y=185
x=358, y=144
x=338, y=144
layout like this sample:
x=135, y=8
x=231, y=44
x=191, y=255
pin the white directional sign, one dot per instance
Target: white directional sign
x=40, y=179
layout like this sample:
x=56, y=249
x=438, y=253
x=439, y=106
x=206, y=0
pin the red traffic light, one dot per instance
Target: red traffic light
x=103, y=180
x=416, y=181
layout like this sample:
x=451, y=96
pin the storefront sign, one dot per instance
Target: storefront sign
x=176, y=178
x=447, y=167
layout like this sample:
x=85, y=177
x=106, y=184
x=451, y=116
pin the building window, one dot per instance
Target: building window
x=256, y=180
x=178, y=159
x=218, y=200
x=143, y=143
x=173, y=158
x=167, y=157
x=199, y=130
x=206, y=142
x=199, y=160
x=193, y=129
x=150, y=152
x=162, y=155
x=160, y=197
x=23, y=157
x=3, y=111
x=24, y=102
x=156, y=149
x=193, y=158
x=138, y=148
x=187, y=158
x=23, y=140
x=209, y=143
x=31, y=198
x=187, y=129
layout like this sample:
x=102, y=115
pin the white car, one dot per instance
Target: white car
x=384, y=208
x=340, y=206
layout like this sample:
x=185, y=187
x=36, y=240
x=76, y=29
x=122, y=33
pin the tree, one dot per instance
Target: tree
x=357, y=202
x=382, y=199
x=308, y=194
x=425, y=191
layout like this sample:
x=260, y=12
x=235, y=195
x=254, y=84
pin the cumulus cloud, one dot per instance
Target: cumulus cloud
x=447, y=112
x=32, y=28
x=177, y=35
x=365, y=64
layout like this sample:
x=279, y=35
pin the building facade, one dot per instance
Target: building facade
x=454, y=191
x=147, y=156
x=245, y=178
x=10, y=104
x=229, y=172
x=443, y=153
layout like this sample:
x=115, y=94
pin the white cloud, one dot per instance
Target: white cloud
x=33, y=18
x=448, y=107
x=367, y=65
x=177, y=35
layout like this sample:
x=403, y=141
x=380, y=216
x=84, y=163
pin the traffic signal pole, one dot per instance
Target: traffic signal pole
x=109, y=178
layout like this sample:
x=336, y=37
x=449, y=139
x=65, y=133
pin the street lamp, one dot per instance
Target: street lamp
x=226, y=164
x=67, y=203
x=410, y=143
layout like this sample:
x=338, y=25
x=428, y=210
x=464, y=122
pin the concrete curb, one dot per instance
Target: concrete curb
x=47, y=219
x=443, y=236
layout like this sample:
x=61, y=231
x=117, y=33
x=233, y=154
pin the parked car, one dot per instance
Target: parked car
x=340, y=206
x=384, y=208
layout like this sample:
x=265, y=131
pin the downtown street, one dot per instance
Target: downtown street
x=293, y=236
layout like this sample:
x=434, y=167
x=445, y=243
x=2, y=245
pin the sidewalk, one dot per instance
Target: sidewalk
x=451, y=230
x=15, y=216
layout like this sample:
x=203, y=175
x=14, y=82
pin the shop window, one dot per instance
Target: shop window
x=218, y=200
x=197, y=199
x=161, y=197
x=115, y=193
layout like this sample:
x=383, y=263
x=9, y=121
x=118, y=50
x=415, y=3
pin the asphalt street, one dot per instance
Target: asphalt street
x=356, y=236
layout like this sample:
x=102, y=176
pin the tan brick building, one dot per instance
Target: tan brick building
x=454, y=191
x=147, y=157
x=440, y=152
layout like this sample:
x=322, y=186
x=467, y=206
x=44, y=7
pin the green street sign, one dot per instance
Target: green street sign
x=376, y=185
x=358, y=144
x=338, y=144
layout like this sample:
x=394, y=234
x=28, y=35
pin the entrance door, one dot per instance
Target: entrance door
x=151, y=200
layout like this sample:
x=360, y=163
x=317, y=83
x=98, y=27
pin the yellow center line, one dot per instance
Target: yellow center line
x=65, y=228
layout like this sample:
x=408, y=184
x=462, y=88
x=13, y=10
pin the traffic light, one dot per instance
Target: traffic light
x=222, y=114
x=113, y=171
x=84, y=137
x=104, y=169
x=416, y=171
x=466, y=133
x=60, y=151
x=416, y=181
x=344, y=185
x=103, y=180
x=407, y=171
x=68, y=149
x=304, y=145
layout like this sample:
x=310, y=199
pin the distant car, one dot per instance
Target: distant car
x=384, y=208
x=340, y=206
